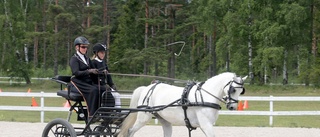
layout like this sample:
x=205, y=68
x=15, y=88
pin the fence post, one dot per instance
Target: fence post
x=271, y=111
x=42, y=106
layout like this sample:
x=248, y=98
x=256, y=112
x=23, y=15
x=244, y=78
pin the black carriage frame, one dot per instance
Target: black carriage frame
x=109, y=119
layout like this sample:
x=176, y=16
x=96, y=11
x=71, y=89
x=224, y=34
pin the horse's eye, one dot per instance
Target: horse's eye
x=232, y=89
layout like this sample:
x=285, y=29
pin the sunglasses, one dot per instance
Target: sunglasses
x=84, y=47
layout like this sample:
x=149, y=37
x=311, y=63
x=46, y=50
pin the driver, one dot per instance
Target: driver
x=82, y=72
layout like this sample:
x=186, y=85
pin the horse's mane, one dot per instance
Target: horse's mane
x=228, y=76
x=218, y=82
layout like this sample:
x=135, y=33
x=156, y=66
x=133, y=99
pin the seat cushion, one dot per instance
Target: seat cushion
x=72, y=96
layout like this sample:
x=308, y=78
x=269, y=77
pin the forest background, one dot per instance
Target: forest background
x=269, y=40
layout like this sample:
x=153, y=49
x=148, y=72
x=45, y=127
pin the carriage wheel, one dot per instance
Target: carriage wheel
x=59, y=128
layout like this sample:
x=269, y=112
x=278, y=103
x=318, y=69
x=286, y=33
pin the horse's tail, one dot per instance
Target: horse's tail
x=131, y=118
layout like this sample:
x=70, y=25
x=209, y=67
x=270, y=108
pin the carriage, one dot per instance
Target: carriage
x=195, y=105
x=105, y=121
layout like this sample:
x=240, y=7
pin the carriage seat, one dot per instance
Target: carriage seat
x=70, y=96
x=71, y=93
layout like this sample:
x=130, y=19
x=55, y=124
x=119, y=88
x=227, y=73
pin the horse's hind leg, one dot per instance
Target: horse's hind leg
x=166, y=126
x=142, y=119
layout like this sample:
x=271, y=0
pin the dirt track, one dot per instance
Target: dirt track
x=18, y=129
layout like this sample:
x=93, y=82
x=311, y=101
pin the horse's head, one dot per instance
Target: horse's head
x=232, y=91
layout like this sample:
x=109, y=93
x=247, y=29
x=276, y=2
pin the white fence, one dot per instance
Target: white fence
x=269, y=113
x=14, y=80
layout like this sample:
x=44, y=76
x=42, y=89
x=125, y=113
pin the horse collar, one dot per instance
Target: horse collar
x=185, y=94
x=185, y=102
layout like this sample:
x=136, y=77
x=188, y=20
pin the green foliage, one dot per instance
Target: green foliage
x=128, y=37
x=18, y=68
x=138, y=43
x=41, y=73
x=272, y=56
x=55, y=9
x=63, y=18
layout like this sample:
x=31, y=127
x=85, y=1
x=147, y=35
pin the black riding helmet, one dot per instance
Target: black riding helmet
x=81, y=40
x=99, y=47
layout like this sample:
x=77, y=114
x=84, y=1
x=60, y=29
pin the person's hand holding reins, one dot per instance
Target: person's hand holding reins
x=105, y=72
x=114, y=87
x=93, y=71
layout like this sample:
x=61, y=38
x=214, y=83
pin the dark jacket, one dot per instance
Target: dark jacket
x=80, y=69
x=103, y=78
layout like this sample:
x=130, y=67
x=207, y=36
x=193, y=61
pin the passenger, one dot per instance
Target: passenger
x=82, y=73
x=111, y=97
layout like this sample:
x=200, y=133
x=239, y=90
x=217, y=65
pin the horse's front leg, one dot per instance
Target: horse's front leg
x=206, y=125
x=207, y=129
x=166, y=126
x=142, y=119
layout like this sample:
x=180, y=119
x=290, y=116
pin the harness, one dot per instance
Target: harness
x=148, y=95
x=185, y=102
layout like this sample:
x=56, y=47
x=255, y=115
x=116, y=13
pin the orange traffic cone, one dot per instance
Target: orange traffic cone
x=0, y=90
x=34, y=102
x=240, y=106
x=66, y=105
x=29, y=90
x=245, y=105
x=65, y=89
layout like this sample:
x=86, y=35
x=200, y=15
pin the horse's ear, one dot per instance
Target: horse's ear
x=244, y=78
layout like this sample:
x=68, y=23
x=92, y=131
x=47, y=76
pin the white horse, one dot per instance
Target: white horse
x=191, y=106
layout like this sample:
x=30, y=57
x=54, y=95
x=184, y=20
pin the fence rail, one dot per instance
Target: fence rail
x=15, y=80
x=19, y=80
x=269, y=113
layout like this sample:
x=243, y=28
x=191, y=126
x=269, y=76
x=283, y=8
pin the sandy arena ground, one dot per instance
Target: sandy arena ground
x=18, y=129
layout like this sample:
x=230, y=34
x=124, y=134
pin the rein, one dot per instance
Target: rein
x=221, y=100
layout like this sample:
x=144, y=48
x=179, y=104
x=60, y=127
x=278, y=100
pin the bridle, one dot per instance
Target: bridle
x=230, y=91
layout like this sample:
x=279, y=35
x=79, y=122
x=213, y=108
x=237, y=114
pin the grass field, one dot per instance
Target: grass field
x=224, y=120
